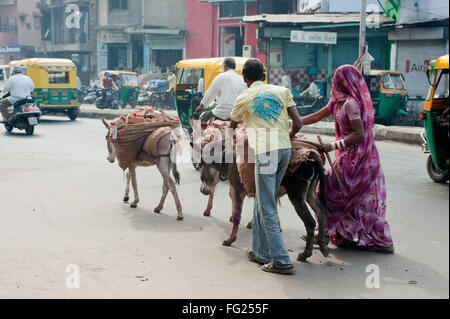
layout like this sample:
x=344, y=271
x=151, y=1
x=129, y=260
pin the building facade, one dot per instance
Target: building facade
x=20, y=29
x=140, y=35
x=215, y=27
x=68, y=32
x=317, y=43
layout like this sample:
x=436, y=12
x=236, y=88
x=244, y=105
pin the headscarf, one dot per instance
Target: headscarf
x=348, y=82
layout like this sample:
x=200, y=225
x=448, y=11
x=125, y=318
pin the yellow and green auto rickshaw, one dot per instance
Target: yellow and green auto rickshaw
x=128, y=86
x=389, y=95
x=436, y=120
x=55, y=82
x=189, y=72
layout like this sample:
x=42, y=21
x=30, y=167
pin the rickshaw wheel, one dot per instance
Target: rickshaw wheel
x=72, y=115
x=434, y=172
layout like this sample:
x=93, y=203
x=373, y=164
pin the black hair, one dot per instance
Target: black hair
x=230, y=62
x=253, y=70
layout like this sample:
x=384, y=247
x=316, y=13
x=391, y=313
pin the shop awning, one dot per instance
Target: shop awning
x=316, y=18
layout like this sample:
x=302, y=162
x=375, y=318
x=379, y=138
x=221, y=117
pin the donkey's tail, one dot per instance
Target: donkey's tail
x=173, y=159
x=318, y=167
x=176, y=174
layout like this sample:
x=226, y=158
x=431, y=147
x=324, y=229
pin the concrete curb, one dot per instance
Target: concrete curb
x=402, y=134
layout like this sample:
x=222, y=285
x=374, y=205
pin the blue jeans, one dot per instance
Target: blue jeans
x=267, y=243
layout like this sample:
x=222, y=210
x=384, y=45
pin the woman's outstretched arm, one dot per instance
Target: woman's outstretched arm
x=316, y=117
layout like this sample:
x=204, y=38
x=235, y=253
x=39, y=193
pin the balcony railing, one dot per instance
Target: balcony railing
x=8, y=28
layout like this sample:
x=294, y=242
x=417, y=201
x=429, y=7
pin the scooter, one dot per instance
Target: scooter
x=107, y=99
x=26, y=116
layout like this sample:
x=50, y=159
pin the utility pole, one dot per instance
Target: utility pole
x=362, y=26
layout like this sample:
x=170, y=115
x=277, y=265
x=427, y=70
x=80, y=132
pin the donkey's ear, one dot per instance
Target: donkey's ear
x=104, y=122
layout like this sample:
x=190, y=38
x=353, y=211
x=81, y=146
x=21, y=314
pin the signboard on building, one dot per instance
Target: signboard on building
x=7, y=49
x=114, y=36
x=313, y=37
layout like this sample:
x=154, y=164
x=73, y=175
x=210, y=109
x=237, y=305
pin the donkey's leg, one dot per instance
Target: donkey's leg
x=163, y=164
x=237, y=198
x=126, y=198
x=297, y=197
x=321, y=214
x=207, y=211
x=134, y=184
x=165, y=190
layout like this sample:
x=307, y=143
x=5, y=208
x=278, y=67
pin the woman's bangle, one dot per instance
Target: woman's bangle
x=338, y=145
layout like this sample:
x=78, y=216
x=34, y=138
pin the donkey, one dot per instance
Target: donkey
x=164, y=162
x=300, y=188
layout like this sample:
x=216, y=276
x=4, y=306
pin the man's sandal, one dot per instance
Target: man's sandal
x=251, y=256
x=270, y=267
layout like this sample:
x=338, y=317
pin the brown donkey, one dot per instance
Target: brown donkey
x=165, y=162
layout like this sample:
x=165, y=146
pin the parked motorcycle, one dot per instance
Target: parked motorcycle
x=26, y=116
x=107, y=99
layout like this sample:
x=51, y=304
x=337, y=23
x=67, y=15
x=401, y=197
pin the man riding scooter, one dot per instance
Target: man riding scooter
x=20, y=87
x=312, y=93
x=107, y=83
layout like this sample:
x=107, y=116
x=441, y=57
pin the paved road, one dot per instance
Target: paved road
x=62, y=204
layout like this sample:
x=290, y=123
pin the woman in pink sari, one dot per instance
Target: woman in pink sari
x=359, y=208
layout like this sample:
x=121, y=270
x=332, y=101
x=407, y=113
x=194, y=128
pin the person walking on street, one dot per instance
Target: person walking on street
x=226, y=87
x=19, y=87
x=359, y=207
x=266, y=109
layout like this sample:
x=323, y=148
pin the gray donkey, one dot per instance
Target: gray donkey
x=165, y=162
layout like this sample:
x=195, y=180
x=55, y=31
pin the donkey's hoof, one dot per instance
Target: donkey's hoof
x=325, y=251
x=157, y=210
x=228, y=241
x=207, y=213
x=133, y=205
x=302, y=257
x=180, y=217
x=250, y=225
x=126, y=199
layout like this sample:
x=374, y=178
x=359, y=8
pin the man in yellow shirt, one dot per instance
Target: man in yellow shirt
x=266, y=109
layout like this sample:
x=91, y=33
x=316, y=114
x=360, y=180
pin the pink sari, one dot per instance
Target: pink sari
x=359, y=208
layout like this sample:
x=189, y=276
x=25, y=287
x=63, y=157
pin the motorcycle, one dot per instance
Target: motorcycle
x=305, y=108
x=26, y=116
x=107, y=99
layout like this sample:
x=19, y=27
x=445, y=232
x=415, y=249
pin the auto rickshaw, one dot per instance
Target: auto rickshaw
x=55, y=82
x=389, y=95
x=436, y=120
x=189, y=72
x=128, y=86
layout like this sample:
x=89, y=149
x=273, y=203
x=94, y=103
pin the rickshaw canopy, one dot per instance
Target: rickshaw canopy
x=211, y=66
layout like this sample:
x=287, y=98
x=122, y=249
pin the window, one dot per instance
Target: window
x=442, y=83
x=393, y=82
x=235, y=9
x=276, y=7
x=190, y=76
x=118, y=5
x=58, y=77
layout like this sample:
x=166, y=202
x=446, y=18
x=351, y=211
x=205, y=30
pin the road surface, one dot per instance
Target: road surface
x=62, y=205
